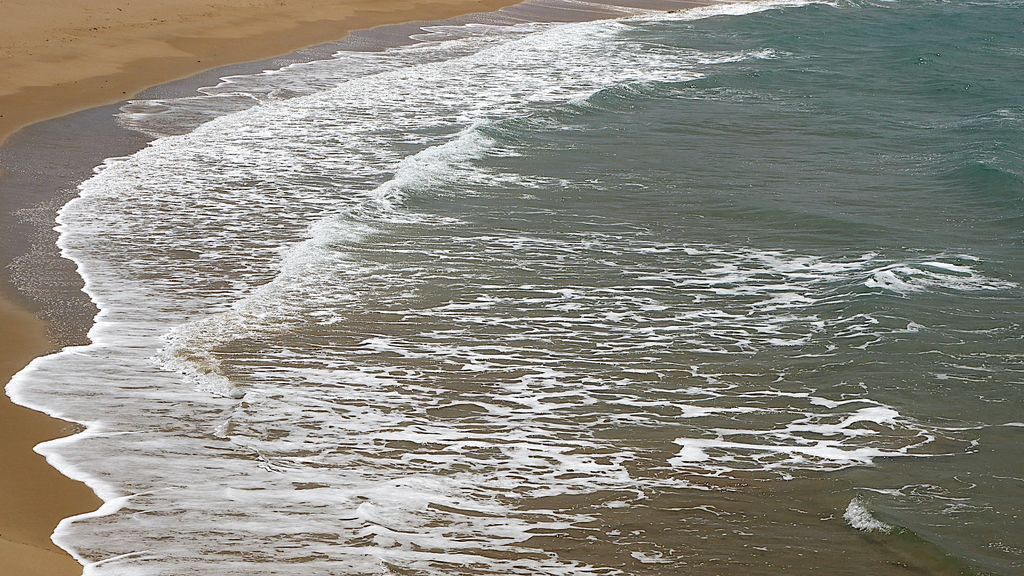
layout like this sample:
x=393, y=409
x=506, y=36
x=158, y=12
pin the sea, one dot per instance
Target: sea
x=572, y=288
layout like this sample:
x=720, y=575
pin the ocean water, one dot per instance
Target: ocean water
x=732, y=290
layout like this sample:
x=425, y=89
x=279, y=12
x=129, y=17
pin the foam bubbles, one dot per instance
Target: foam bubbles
x=911, y=277
x=858, y=516
x=331, y=340
x=737, y=9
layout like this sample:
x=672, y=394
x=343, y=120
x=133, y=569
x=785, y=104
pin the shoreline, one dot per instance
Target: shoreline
x=38, y=496
x=38, y=316
x=142, y=59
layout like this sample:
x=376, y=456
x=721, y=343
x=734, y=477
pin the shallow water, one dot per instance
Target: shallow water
x=733, y=290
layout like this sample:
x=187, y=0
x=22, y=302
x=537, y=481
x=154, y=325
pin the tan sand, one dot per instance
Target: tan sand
x=34, y=496
x=60, y=56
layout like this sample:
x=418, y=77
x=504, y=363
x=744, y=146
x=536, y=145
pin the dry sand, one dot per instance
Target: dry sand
x=59, y=56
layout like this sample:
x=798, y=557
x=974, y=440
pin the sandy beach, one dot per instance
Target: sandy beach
x=488, y=287
x=36, y=496
x=61, y=56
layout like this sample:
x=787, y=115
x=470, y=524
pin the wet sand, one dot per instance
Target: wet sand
x=62, y=56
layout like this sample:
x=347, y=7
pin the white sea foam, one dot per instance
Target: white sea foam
x=858, y=516
x=736, y=9
x=911, y=277
x=302, y=364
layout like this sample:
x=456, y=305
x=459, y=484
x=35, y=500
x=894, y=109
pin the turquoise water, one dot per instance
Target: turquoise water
x=727, y=291
x=894, y=130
